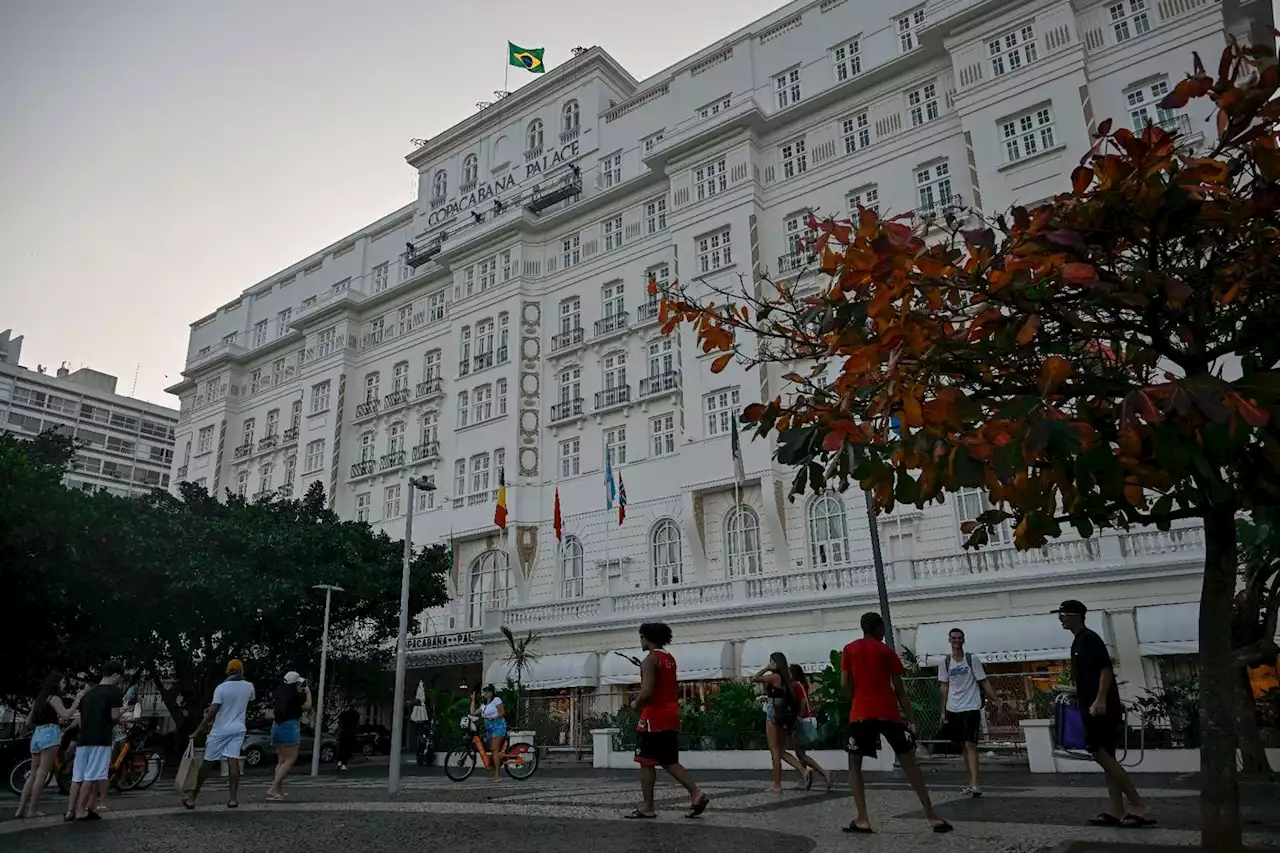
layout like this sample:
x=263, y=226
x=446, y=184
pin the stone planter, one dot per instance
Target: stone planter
x=604, y=756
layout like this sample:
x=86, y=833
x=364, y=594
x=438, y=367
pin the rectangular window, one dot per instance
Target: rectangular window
x=459, y=478
x=1143, y=109
x=363, y=502
x=290, y=469
x=652, y=141
x=482, y=408
x=488, y=272
x=569, y=457
x=611, y=171
x=711, y=179
x=799, y=238
x=273, y=422
x=847, y=60
x=612, y=302
x=909, y=27
x=319, y=397
x=570, y=315
x=786, y=87
x=327, y=339
x=506, y=265
x=314, y=459
x=570, y=252
x=970, y=503
x=264, y=478
x=371, y=383
x=655, y=216
x=463, y=410
x=613, y=233
x=868, y=198
x=259, y=333
x=933, y=188
x=247, y=435
x=391, y=502
x=922, y=104
x=480, y=473
x=663, y=431
x=794, y=159
x=427, y=498
x=714, y=108
x=230, y=339
x=204, y=441
x=615, y=445
x=295, y=416
x=856, y=131
x=720, y=408
x=1129, y=19
x=282, y=321
x=502, y=396
x=1012, y=51
x=380, y=279
x=435, y=307
x=469, y=281
x=661, y=357
x=255, y=381
x=713, y=251
x=1028, y=135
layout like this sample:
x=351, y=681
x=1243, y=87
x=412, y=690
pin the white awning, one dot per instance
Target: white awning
x=550, y=672
x=1168, y=629
x=1003, y=639
x=811, y=651
x=694, y=662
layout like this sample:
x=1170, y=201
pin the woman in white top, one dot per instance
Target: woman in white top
x=490, y=708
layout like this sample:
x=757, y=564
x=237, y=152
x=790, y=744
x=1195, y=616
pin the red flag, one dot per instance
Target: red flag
x=622, y=500
x=559, y=522
x=500, y=511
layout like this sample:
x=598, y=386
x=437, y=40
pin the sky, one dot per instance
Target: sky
x=157, y=157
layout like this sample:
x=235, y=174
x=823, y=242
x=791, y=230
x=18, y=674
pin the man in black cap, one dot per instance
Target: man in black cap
x=1099, y=699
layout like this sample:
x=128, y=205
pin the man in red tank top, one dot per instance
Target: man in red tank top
x=658, y=734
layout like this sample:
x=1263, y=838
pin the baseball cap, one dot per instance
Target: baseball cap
x=1070, y=607
x=292, y=677
x=234, y=665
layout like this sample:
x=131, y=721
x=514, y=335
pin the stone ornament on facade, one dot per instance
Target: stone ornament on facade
x=530, y=388
x=526, y=548
x=337, y=441
x=217, y=462
x=780, y=501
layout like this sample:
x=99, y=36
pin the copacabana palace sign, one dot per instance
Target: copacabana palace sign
x=492, y=189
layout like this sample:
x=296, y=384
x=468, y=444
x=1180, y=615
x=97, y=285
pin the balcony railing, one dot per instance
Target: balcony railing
x=290, y=435
x=660, y=384
x=567, y=136
x=464, y=367
x=612, y=323
x=262, y=495
x=363, y=468
x=793, y=261
x=243, y=450
x=647, y=312
x=483, y=360
x=430, y=387
x=546, y=195
x=569, y=409
x=367, y=409
x=502, y=355
x=395, y=459
x=564, y=340
x=425, y=451
x=285, y=491
x=613, y=397
x=533, y=153
x=421, y=254
x=396, y=398
x=182, y=473
x=267, y=442
x=477, y=499
x=953, y=205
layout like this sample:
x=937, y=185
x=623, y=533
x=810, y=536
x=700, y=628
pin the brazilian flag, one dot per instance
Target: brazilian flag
x=530, y=59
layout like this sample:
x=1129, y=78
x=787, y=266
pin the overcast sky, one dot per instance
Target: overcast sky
x=159, y=156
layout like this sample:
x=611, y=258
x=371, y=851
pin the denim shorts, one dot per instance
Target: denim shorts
x=495, y=728
x=287, y=733
x=45, y=736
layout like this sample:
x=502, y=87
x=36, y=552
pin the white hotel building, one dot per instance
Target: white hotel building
x=514, y=334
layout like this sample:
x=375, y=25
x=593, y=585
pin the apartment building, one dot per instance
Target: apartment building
x=498, y=326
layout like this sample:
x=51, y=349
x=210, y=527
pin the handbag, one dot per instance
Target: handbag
x=806, y=731
x=1068, y=726
x=188, y=769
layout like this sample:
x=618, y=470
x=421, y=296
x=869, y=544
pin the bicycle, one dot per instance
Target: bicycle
x=134, y=766
x=520, y=761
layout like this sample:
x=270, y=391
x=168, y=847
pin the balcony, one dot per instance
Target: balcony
x=568, y=409
x=533, y=153
x=544, y=196
x=610, y=397
x=291, y=435
x=566, y=340
x=794, y=262
x=182, y=473
x=953, y=206
x=285, y=491
x=367, y=409
x=421, y=254
x=483, y=360
x=394, y=459
x=567, y=136
x=502, y=355
x=432, y=387
x=648, y=312
x=262, y=495
x=395, y=398
x=663, y=383
x=427, y=451
x=363, y=468
x=267, y=442
x=243, y=451
x=612, y=324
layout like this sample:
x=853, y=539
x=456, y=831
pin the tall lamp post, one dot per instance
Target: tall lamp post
x=877, y=556
x=329, y=590
x=397, y=718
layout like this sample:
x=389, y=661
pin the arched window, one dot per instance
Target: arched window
x=828, y=532
x=535, y=134
x=572, y=579
x=668, y=553
x=569, y=117
x=488, y=587
x=440, y=186
x=742, y=541
x=470, y=170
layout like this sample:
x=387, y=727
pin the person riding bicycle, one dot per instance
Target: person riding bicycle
x=487, y=704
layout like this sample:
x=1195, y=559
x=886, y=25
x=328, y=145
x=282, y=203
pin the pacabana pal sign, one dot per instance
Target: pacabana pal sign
x=492, y=189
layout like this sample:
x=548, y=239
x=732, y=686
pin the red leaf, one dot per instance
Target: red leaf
x=1248, y=409
x=1055, y=370
x=1077, y=272
x=754, y=412
x=833, y=442
x=721, y=363
x=1028, y=330
x=1105, y=127
x=1197, y=63
x=1081, y=178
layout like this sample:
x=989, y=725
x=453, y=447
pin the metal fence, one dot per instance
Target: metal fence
x=1020, y=696
x=563, y=723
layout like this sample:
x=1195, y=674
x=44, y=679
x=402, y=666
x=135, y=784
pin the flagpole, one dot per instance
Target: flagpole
x=737, y=513
x=506, y=69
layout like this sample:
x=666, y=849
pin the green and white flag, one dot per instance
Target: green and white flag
x=530, y=59
x=739, y=473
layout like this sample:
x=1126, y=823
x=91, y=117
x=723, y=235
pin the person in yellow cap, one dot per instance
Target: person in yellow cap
x=225, y=721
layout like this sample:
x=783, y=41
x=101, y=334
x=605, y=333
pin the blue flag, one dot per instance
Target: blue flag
x=608, y=480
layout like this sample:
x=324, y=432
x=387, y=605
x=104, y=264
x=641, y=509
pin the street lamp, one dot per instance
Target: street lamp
x=427, y=484
x=329, y=590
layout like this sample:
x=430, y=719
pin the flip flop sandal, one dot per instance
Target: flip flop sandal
x=68, y=817
x=90, y=816
x=854, y=829
x=639, y=815
x=188, y=804
x=699, y=807
x=808, y=781
x=233, y=805
x=942, y=827
x=1105, y=819
x=1137, y=821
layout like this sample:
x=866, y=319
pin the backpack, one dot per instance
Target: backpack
x=968, y=658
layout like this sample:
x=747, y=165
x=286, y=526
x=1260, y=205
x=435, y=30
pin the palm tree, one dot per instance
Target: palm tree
x=523, y=655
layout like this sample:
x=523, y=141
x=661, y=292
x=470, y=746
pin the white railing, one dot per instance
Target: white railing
x=654, y=600
x=988, y=560
x=814, y=582
x=1158, y=543
x=563, y=612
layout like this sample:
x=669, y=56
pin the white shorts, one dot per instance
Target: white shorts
x=218, y=747
x=91, y=764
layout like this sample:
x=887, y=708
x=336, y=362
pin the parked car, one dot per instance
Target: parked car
x=374, y=739
x=259, y=751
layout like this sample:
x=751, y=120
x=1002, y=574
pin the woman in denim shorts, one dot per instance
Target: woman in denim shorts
x=292, y=700
x=46, y=713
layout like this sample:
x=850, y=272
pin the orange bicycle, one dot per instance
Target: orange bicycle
x=520, y=760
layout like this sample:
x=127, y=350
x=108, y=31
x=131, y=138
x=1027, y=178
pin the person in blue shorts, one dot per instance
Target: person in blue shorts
x=292, y=700
x=489, y=706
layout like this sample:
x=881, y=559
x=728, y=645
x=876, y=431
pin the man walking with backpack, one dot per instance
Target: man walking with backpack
x=964, y=682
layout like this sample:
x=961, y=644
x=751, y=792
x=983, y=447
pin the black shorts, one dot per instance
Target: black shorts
x=657, y=749
x=965, y=726
x=864, y=737
x=1101, y=733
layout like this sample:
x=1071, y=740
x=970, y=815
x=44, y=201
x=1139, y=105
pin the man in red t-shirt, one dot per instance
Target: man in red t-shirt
x=658, y=733
x=871, y=673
